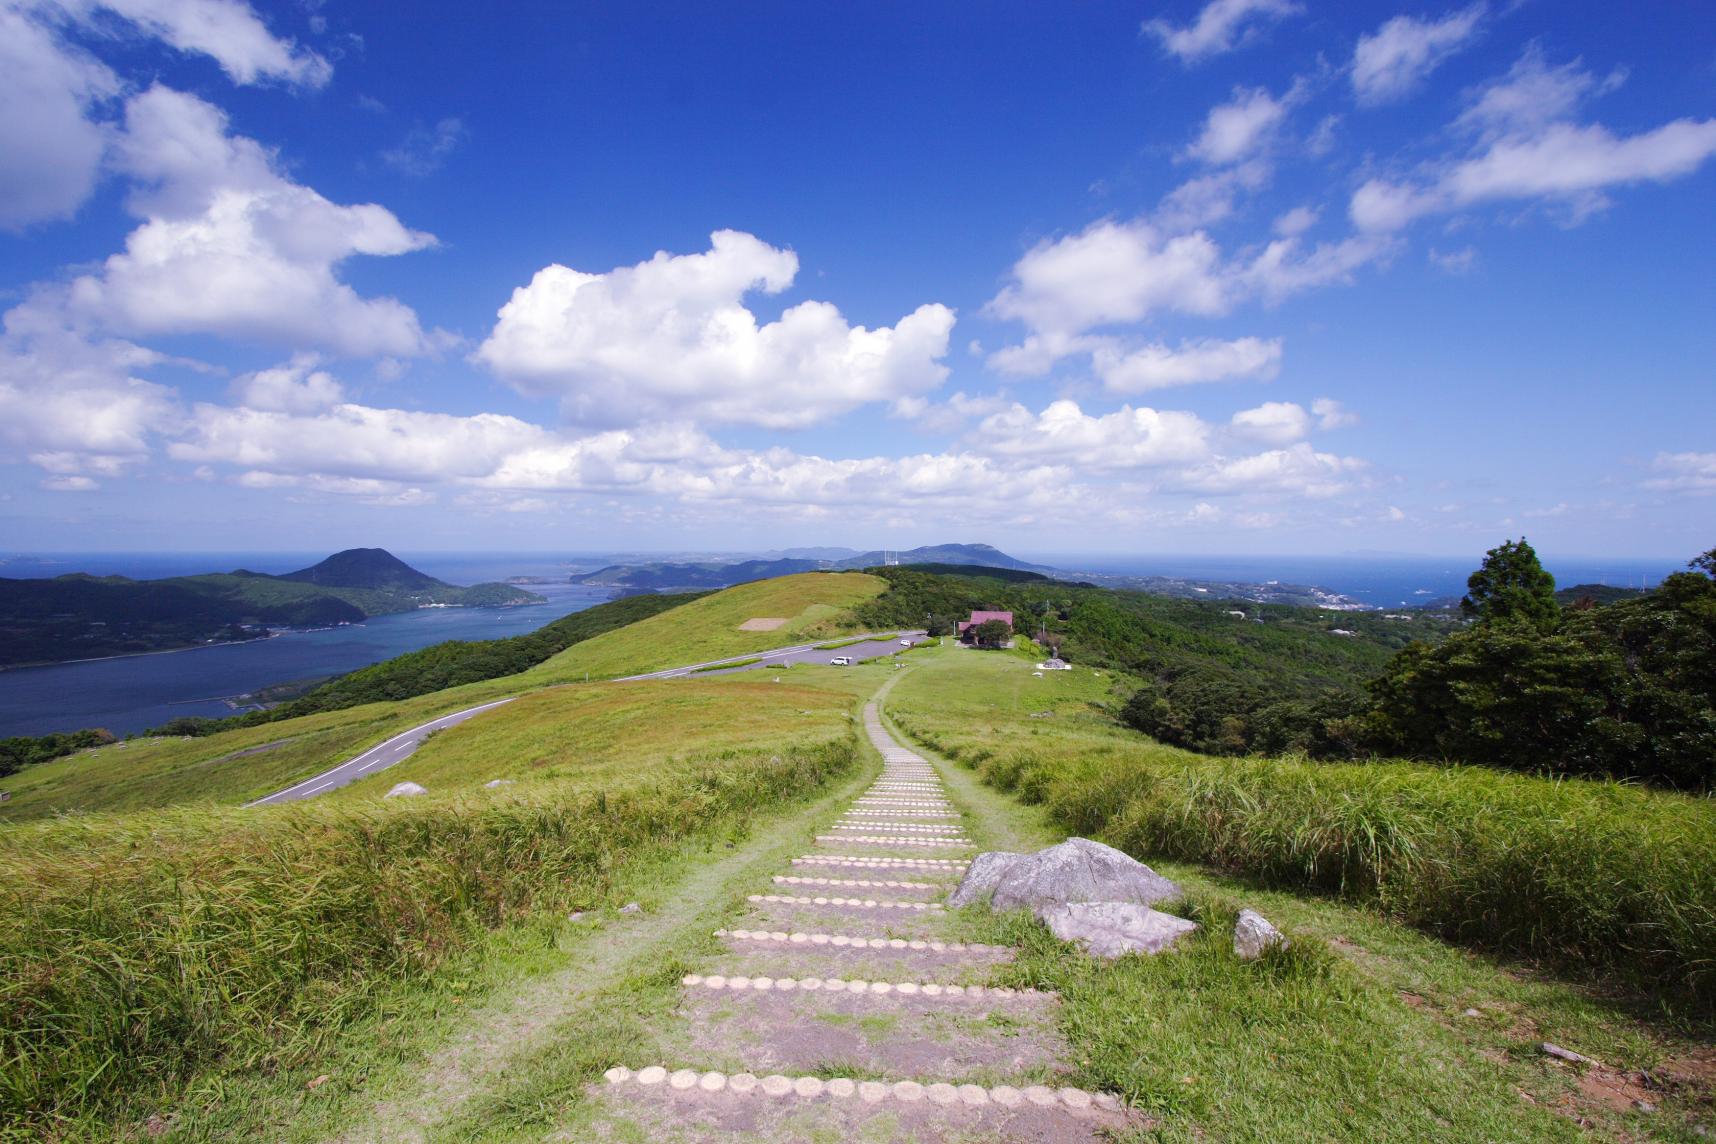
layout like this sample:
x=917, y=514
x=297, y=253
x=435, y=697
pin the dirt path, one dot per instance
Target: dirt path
x=843, y=1005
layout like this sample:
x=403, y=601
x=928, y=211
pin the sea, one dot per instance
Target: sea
x=132, y=693
x=127, y=694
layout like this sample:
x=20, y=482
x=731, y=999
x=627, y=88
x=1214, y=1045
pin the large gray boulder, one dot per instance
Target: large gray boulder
x=1079, y=870
x=1252, y=934
x=980, y=877
x=406, y=790
x=1113, y=929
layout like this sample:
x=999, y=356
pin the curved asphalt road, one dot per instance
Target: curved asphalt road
x=375, y=759
x=400, y=747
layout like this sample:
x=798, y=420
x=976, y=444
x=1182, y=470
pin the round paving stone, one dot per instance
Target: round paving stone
x=741, y=1083
x=808, y=1086
x=974, y=1095
x=1006, y=1096
x=682, y=1079
x=872, y=1092
x=841, y=1087
x=654, y=1074
x=940, y=1093
x=908, y=1091
x=777, y=1085
x=712, y=1081
x=1040, y=1095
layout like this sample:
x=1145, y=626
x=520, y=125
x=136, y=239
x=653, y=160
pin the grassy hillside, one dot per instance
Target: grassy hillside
x=144, y=948
x=1588, y=874
x=616, y=731
x=812, y=604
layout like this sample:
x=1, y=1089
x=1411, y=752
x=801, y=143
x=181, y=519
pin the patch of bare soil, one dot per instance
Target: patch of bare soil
x=763, y=624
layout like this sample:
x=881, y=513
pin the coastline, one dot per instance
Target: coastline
x=272, y=632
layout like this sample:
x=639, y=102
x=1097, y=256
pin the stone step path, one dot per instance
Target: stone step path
x=849, y=970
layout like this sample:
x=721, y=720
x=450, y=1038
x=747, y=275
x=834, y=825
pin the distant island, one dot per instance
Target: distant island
x=79, y=616
x=947, y=558
x=724, y=574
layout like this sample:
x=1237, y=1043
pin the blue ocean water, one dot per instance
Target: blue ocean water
x=133, y=693
x=1379, y=581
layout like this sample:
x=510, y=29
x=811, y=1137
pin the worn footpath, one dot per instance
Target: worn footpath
x=842, y=1006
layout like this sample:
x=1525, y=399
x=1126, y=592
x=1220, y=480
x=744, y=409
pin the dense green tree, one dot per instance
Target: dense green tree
x=1512, y=586
x=992, y=633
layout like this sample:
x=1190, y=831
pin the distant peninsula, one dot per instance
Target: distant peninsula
x=726, y=574
x=89, y=617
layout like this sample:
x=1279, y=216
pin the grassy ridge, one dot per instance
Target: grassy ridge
x=1589, y=873
x=143, y=948
x=708, y=628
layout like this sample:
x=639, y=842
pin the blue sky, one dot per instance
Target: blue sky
x=1250, y=276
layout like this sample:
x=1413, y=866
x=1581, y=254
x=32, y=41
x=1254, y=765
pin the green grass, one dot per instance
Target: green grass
x=1599, y=877
x=708, y=628
x=1358, y=1032
x=145, y=948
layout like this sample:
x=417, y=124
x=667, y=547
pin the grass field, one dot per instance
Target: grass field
x=148, y=948
x=708, y=628
x=1599, y=876
x=229, y=768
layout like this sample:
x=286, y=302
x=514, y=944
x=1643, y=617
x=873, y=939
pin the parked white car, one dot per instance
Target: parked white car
x=841, y=661
x=905, y=643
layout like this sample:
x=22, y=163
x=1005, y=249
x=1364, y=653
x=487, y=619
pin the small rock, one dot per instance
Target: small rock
x=631, y=908
x=493, y=783
x=1079, y=870
x=980, y=877
x=1644, y=1106
x=1252, y=934
x=1473, y=1013
x=406, y=790
x=1110, y=929
x=575, y=916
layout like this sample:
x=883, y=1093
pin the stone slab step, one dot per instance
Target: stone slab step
x=954, y=1039
x=706, y=1105
x=850, y=903
x=862, y=810
x=861, y=941
x=894, y=827
x=926, y=992
x=810, y=917
x=952, y=867
x=784, y=959
x=896, y=841
x=857, y=883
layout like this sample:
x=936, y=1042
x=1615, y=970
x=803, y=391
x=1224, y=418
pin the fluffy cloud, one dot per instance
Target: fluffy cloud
x=1684, y=472
x=671, y=337
x=1285, y=267
x=1242, y=126
x=354, y=441
x=231, y=247
x=51, y=139
x=1113, y=272
x=50, y=151
x=1156, y=366
x=225, y=30
x=1274, y=422
x=1331, y=414
x=1296, y=470
x=1388, y=64
x=1525, y=148
x=73, y=405
x=1125, y=439
x=1221, y=26
x=1211, y=197
x=298, y=387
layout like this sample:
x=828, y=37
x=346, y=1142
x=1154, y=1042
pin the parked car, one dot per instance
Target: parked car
x=841, y=661
x=905, y=643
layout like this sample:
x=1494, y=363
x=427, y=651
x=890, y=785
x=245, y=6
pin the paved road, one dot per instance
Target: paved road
x=782, y=656
x=375, y=759
x=403, y=744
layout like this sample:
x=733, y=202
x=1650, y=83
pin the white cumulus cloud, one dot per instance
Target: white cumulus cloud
x=1157, y=366
x=1221, y=26
x=1125, y=439
x=233, y=248
x=1389, y=64
x=671, y=337
x=1273, y=422
x=1242, y=126
x=1684, y=472
x=1525, y=146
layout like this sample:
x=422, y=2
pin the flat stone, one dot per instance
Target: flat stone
x=1079, y=870
x=1252, y=934
x=406, y=790
x=493, y=783
x=1111, y=929
x=742, y=1083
